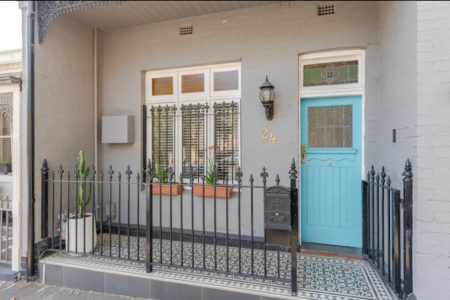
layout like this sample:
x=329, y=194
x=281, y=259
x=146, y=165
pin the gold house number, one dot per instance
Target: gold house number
x=266, y=136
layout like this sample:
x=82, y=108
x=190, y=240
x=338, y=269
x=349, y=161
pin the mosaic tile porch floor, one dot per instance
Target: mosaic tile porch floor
x=319, y=277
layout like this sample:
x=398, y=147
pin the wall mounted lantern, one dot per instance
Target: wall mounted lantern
x=267, y=96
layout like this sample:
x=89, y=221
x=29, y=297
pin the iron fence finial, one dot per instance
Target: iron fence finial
x=277, y=179
x=110, y=172
x=60, y=171
x=239, y=174
x=128, y=172
x=44, y=166
x=408, y=169
x=293, y=171
x=383, y=175
x=149, y=167
x=171, y=174
x=388, y=181
x=264, y=175
x=372, y=173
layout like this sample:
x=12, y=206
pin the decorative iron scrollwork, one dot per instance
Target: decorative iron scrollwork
x=49, y=10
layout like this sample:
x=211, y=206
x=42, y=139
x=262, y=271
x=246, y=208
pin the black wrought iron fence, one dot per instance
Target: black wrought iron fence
x=213, y=227
x=6, y=225
x=388, y=228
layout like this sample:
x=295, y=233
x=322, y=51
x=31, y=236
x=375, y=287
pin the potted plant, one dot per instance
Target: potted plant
x=211, y=188
x=81, y=222
x=162, y=187
x=5, y=166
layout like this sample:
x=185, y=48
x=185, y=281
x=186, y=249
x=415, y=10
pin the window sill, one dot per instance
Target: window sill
x=6, y=178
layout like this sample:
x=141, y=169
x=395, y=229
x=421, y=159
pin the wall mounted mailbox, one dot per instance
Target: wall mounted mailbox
x=117, y=129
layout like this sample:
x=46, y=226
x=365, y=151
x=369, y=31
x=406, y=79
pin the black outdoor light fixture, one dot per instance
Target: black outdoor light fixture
x=267, y=96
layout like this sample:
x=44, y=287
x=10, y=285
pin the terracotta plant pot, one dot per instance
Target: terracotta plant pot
x=221, y=191
x=164, y=188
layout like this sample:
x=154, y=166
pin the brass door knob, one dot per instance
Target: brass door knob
x=303, y=153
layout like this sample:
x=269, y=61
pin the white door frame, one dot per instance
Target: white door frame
x=354, y=89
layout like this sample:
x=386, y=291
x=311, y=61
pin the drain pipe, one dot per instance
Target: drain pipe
x=30, y=136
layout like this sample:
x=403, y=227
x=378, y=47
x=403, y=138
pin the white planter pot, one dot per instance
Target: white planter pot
x=75, y=239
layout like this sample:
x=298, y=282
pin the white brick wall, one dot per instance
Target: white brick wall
x=432, y=175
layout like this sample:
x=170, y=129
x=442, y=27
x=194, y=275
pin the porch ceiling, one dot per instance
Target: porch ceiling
x=132, y=13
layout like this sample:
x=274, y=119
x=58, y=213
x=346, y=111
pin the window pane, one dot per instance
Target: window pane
x=342, y=72
x=330, y=126
x=226, y=81
x=194, y=83
x=163, y=136
x=193, y=118
x=226, y=139
x=162, y=86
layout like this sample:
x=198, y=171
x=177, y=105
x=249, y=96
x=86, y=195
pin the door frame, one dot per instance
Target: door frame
x=354, y=89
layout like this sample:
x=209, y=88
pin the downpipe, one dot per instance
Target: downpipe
x=30, y=138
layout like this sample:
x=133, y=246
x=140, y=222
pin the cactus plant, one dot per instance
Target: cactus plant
x=83, y=173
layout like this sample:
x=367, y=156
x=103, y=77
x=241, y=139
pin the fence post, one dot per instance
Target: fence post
x=149, y=215
x=397, y=264
x=294, y=231
x=365, y=219
x=44, y=200
x=408, y=230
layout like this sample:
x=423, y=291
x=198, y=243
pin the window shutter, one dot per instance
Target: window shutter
x=163, y=136
x=226, y=139
x=193, y=118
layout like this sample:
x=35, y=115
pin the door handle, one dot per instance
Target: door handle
x=303, y=153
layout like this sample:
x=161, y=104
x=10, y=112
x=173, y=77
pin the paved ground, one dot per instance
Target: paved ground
x=32, y=290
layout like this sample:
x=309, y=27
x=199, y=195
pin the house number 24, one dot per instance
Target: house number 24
x=266, y=136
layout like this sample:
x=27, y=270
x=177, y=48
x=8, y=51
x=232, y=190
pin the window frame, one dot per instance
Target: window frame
x=178, y=99
x=149, y=86
x=329, y=57
x=229, y=93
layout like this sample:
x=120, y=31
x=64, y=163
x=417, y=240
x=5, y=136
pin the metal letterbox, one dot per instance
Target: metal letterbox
x=277, y=208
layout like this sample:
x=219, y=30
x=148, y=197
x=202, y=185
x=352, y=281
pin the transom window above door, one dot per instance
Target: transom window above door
x=193, y=120
x=331, y=72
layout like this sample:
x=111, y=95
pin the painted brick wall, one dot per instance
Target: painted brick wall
x=432, y=227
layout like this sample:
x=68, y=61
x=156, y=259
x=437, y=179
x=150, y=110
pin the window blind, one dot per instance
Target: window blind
x=193, y=118
x=226, y=139
x=163, y=136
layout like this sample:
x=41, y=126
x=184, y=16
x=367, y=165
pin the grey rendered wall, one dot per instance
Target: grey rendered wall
x=64, y=98
x=397, y=109
x=432, y=207
x=267, y=40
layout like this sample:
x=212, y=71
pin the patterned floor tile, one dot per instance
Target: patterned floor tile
x=319, y=277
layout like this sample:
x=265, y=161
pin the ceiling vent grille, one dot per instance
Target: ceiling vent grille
x=324, y=10
x=186, y=30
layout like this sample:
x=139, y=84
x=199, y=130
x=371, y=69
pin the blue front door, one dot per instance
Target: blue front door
x=331, y=171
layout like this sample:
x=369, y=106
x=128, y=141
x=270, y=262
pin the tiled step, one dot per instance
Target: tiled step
x=320, y=277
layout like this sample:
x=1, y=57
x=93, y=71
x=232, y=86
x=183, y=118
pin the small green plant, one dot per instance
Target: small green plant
x=4, y=162
x=211, y=172
x=160, y=173
x=83, y=173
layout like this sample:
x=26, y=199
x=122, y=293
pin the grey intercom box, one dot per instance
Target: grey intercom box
x=117, y=129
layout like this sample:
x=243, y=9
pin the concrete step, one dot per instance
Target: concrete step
x=6, y=273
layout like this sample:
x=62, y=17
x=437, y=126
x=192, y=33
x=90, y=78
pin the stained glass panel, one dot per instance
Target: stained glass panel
x=341, y=72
